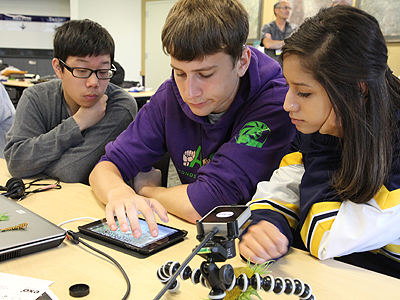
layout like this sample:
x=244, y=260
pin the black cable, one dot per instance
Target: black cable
x=42, y=186
x=188, y=259
x=76, y=239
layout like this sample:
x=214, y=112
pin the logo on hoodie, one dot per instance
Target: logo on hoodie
x=253, y=134
x=193, y=157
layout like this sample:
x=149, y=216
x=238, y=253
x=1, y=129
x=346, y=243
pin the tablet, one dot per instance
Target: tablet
x=145, y=244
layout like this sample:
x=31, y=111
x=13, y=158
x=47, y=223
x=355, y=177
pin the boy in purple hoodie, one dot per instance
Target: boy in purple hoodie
x=220, y=116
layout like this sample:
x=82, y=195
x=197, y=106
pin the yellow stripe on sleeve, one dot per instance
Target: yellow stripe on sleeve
x=294, y=208
x=391, y=251
x=294, y=158
x=319, y=220
x=393, y=248
x=319, y=231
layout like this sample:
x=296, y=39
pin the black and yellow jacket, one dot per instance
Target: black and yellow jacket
x=299, y=197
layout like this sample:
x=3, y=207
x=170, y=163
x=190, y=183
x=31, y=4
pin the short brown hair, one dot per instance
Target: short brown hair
x=197, y=28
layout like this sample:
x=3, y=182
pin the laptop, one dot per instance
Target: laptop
x=38, y=235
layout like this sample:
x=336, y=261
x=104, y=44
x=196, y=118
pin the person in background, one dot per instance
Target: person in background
x=341, y=2
x=336, y=193
x=219, y=116
x=273, y=33
x=62, y=126
x=7, y=113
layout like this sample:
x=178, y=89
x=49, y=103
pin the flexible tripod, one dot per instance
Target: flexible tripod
x=217, y=232
x=223, y=279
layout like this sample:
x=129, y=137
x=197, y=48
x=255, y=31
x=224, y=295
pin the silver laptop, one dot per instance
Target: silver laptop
x=38, y=235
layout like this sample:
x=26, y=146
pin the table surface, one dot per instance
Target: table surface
x=69, y=264
x=18, y=83
x=27, y=83
x=141, y=94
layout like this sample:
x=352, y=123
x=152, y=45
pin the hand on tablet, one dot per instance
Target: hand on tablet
x=123, y=201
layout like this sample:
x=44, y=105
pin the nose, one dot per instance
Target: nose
x=289, y=104
x=192, y=88
x=92, y=81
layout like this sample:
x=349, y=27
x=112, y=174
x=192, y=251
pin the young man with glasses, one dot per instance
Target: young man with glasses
x=62, y=126
x=273, y=33
x=220, y=117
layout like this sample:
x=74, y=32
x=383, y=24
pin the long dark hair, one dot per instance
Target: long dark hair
x=343, y=48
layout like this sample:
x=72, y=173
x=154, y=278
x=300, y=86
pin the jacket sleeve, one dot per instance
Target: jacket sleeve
x=331, y=227
x=63, y=150
x=278, y=200
x=335, y=229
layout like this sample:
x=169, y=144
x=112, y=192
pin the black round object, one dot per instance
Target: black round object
x=79, y=290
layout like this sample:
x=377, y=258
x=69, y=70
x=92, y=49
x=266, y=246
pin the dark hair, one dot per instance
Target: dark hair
x=343, y=47
x=197, y=28
x=82, y=38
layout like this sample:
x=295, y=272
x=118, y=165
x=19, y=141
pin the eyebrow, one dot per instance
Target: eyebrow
x=196, y=70
x=298, y=83
x=86, y=61
x=302, y=84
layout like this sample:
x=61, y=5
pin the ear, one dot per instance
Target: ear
x=244, y=61
x=363, y=88
x=56, y=67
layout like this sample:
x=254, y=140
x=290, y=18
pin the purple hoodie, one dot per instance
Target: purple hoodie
x=221, y=162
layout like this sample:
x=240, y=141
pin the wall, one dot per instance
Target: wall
x=394, y=57
x=30, y=38
x=157, y=63
x=121, y=18
x=393, y=48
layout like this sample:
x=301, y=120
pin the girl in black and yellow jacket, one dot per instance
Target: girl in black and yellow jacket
x=338, y=189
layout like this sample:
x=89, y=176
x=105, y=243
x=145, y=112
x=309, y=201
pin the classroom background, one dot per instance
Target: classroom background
x=136, y=28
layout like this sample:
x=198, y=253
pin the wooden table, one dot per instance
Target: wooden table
x=69, y=264
x=142, y=97
x=18, y=83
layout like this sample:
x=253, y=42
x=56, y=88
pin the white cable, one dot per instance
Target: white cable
x=72, y=220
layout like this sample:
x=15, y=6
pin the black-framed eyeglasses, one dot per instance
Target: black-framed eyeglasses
x=86, y=73
x=285, y=7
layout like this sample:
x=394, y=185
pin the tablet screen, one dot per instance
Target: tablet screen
x=128, y=238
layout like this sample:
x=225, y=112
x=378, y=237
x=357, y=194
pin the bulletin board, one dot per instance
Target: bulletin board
x=305, y=8
x=385, y=11
x=387, y=14
x=254, y=9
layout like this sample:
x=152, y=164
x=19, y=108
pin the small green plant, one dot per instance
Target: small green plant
x=3, y=217
x=236, y=293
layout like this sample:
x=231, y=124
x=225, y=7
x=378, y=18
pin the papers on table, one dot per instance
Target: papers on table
x=23, y=288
